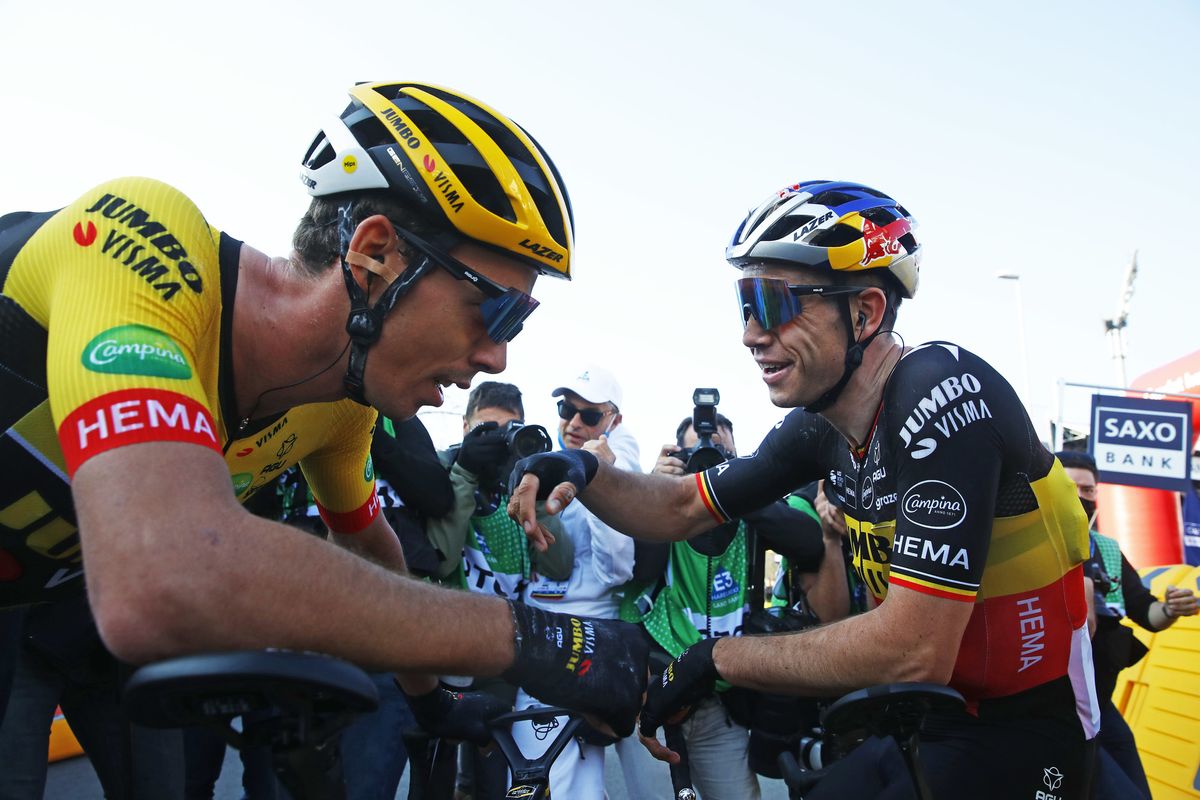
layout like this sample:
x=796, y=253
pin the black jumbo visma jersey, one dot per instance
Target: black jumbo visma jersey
x=953, y=496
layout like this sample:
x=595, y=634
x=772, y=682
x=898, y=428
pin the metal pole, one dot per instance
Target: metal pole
x=1015, y=278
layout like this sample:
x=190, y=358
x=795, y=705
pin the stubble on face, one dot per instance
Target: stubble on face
x=804, y=354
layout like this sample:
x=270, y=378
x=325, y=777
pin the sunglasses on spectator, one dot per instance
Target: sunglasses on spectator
x=589, y=416
x=774, y=301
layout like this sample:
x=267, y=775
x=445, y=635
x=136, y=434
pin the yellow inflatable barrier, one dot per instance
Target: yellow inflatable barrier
x=63, y=743
x=1160, y=695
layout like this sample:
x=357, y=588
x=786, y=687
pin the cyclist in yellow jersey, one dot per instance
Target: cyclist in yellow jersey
x=148, y=359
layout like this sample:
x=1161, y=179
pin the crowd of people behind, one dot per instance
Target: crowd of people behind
x=449, y=509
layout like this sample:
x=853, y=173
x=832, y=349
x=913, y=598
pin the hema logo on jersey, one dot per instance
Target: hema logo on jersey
x=131, y=416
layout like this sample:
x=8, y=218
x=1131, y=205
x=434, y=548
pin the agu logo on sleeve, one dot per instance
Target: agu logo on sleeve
x=136, y=350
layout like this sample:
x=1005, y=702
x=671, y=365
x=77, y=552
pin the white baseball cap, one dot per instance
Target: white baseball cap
x=594, y=384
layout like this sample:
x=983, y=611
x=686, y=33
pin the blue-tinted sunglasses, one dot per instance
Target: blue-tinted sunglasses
x=774, y=301
x=505, y=310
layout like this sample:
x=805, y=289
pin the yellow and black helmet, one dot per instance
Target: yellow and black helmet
x=454, y=159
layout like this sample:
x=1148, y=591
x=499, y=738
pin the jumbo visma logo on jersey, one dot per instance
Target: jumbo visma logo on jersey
x=136, y=350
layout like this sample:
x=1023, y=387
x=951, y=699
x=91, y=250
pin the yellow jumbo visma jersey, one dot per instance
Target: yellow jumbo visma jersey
x=115, y=327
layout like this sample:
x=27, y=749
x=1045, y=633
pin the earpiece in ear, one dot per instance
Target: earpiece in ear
x=862, y=320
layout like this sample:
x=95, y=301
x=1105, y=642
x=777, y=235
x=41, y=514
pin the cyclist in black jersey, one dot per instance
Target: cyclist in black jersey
x=963, y=526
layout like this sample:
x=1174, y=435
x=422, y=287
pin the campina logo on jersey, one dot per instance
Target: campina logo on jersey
x=934, y=504
x=241, y=482
x=136, y=350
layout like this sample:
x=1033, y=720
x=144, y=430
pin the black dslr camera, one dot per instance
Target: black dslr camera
x=526, y=440
x=1102, y=584
x=501, y=447
x=704, y=453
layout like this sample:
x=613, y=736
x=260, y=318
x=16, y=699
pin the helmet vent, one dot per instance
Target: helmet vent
x=837, y=236
x=320, y=153
x=833, y=198
x=786, y=226
x=880, y=216
x=370, y=132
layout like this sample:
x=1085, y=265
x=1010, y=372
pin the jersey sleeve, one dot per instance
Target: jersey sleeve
x=127, y=282
x=340, y=473
x=788, y=457
x=947, y=487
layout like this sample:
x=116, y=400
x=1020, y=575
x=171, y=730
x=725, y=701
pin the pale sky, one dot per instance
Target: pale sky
x=1049, y=140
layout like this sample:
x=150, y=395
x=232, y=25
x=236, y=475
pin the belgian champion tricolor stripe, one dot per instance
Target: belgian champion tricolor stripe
x=929, y=587
x=710, y=500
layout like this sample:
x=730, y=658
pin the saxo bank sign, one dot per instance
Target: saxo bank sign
x=1141, y=442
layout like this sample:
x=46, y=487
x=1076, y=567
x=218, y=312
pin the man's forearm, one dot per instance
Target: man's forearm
x=656, y=507
x=377, y=542
x=1158, y=617
x=298, y=592
x=829, y=660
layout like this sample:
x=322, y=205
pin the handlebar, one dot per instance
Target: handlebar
x=896, y=710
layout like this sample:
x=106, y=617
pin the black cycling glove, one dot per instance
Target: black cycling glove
x=483, y=450
x=597, y=666
x=448, y=714
x=686, y=681
x=573, y=466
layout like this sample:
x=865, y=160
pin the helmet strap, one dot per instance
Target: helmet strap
x=365, y=322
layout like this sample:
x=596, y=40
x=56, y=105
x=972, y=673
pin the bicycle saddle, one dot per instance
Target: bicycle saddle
x=888, y=709
x=217, y=686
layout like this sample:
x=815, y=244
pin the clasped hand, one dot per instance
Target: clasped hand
x=568, y=472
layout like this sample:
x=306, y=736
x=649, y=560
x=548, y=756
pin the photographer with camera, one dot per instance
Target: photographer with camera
x=1117, y=592
x=708, y=587
x=589, y=411
x=479, y=548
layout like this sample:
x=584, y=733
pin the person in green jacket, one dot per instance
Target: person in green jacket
x=480, y=548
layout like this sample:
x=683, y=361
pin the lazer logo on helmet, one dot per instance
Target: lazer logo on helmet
x=120, y=246
x=541, y=251
x=812, y=225
x=404, y=134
